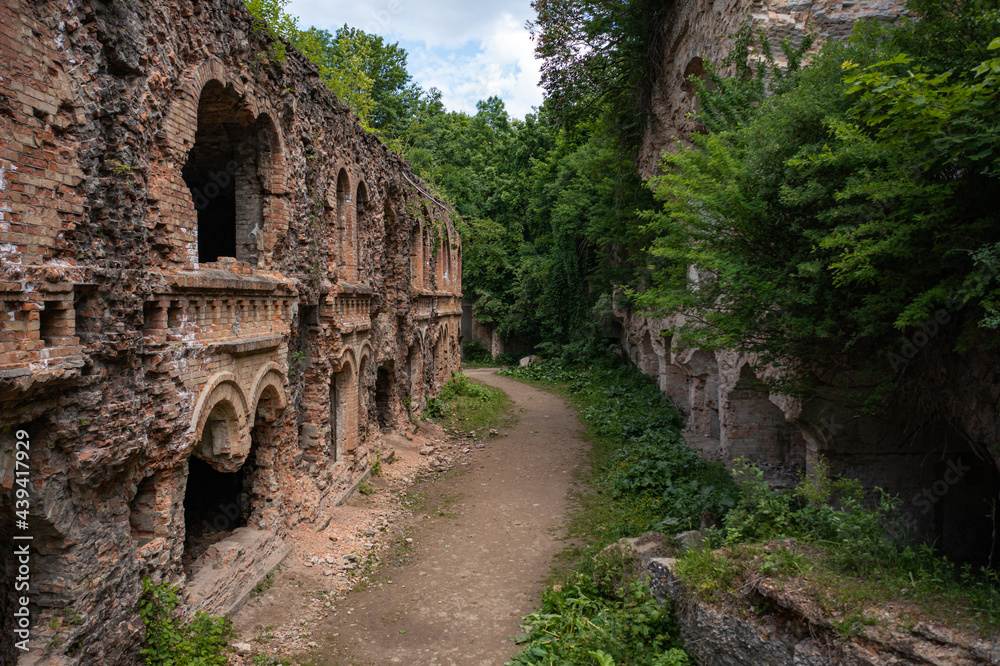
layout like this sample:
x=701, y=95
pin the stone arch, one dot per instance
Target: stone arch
x=362, y=215
x=441, y=354
x=755, y=428
x=393, y=261
x=695, y=68
x=425, y=248
x=702, y=382
x=364, y=360
x=414, y=366
x=417, y=256
x=221, y=387
x=342, y=427
x=270, y=376
x=446, y=257
x=672, y=379
x=233, y=171
x=345, y=225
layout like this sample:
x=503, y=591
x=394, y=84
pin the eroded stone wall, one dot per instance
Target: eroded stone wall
x=700, y=32
x=218, y=291
x=936, y=448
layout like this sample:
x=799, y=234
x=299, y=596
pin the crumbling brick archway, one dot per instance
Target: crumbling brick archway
x=223, y=412
x=363, y=257
x=231, y=171
x=755, y=428
x=342, y=433
x=345, y=227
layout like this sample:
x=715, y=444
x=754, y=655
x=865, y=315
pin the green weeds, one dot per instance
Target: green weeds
x=172, y=641
x=464, y=406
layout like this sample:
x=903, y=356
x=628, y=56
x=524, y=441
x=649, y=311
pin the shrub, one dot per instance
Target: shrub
x=460, y=386
x=580, y=625
x=172, y=641
x=474, y=352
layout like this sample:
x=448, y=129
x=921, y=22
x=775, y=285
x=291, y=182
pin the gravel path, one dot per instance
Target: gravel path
x=483, y=542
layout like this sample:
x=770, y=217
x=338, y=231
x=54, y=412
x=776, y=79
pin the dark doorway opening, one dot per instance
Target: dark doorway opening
x=226, y=170
x=215, y=504
x=383, y=397
x=213, y=189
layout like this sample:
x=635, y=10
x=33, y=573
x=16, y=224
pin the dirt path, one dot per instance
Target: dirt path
x=483, y=542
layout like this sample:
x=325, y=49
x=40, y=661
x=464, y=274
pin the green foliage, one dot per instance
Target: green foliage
x=580, y=625
x=474, y=352
x=271, y=17
x=653, y=478
x=461, y=385
x=849, y=538
x=599, y=59
x=362, y=70
x=436, y=408
x=365, y=489
x=464, y=407
x=172, y=641
x=819, y=510
x=851, y=204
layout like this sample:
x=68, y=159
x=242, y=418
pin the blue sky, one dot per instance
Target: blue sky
x=468, y=50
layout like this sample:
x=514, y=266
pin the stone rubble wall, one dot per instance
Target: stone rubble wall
x=700, y=32
x=952, y=423
x=125, y=356
x=794, y=632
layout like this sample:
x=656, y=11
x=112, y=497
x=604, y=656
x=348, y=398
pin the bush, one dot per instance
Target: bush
x=658, y=481
x=461, y=386
x=473, y=352
x=580, y=625
x=172, y=641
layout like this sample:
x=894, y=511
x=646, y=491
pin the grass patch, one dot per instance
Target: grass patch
x=465, y=406
x=638, y=476
x=641, y=475
x=826, y=539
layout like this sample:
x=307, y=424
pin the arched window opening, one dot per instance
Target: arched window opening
x=226, y=171
x=416, y=258
x=449, y=276
x=347, y=252
x=362, y=397
x=361, y=215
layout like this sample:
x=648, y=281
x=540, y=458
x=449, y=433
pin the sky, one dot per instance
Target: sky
x=468, y=50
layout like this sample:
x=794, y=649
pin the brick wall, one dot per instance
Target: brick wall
x=124, y=354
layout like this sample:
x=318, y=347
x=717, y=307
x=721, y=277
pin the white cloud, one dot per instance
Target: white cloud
x=468, y=50
x=503, y=65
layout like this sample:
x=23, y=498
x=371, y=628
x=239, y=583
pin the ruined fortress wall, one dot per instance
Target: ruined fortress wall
x=913, y=452
x=217, y=290
x=700, y=32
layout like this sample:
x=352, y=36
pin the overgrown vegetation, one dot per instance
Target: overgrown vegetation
x=826, y=538
x=836, y=206
x=841, y=548
x=173, y=641
x=578, y=624
x=464, y=406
